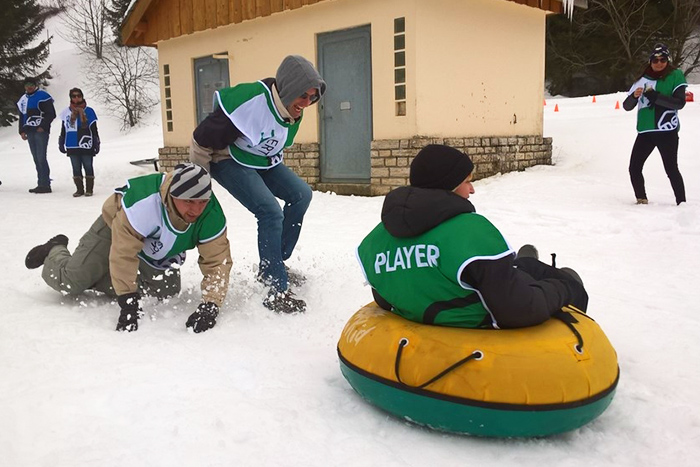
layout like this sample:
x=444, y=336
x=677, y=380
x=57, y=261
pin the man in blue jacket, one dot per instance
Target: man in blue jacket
x=36, y=112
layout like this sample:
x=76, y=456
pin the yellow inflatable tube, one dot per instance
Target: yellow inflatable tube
x=533, y=381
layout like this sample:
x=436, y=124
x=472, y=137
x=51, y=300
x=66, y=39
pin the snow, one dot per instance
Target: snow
x=264, y=390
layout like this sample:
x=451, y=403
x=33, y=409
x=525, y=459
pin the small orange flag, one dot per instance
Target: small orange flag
x=545, y=102
x=617, y=105
x=556, y=107
x=594, y=99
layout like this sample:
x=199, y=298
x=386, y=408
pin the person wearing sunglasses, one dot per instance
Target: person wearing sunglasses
x=658, y=94
x=36, y=112
x=242, y=142
x=80, y=141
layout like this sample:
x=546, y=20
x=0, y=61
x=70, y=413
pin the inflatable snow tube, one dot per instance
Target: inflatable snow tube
x=530, y=382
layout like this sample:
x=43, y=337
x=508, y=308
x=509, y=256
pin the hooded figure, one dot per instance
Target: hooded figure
x=434, y=260
x=242, y=142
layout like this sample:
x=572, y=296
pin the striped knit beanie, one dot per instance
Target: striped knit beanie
x=190, y=181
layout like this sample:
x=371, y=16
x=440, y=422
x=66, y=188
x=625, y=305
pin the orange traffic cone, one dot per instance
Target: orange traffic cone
x=617, y=105
x=594, y=99
x=556, y=107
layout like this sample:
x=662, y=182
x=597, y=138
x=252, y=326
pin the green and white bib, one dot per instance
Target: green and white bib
x=653, y=118
x=420, y=276
x=251, y=108
x=164, y=245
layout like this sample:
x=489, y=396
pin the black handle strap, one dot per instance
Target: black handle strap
x=568, y=319
x=476, y=355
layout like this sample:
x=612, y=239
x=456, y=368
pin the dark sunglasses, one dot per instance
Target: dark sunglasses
x=312, y=98
x=659, y=60
x=76, y=95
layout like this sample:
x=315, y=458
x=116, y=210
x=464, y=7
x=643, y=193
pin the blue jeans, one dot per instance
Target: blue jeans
x=78, y=162
x=278, y=229
x=38, y=142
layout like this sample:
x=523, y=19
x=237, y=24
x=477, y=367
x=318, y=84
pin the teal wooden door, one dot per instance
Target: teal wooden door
x=346, y=108
x=210, y=74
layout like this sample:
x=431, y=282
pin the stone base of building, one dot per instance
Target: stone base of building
x=391, y=159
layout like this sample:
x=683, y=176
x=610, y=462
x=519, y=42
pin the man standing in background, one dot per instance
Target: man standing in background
x=36, y=112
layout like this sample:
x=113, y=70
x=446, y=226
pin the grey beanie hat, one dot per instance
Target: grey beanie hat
x=190, y=181
x=295, y=76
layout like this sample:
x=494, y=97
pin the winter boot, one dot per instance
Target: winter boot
x=40, y=189
x=573, y=274
x=284, y=302
x=79, y=190
x=295, y=278
x=38, y=254
x=89, y=184
x=528, y=251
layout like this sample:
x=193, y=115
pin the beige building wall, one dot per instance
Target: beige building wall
x=491, y=51
x=257, y=47
x=481, y=68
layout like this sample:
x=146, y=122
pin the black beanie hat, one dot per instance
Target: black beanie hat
x=29, y=80
x=660, y=50
x=439, y=166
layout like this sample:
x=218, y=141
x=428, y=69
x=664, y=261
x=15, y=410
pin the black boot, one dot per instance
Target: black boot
x=284, y=302
x=89, y=184
x=528, y=251
x=79, y=190
x=38, y=254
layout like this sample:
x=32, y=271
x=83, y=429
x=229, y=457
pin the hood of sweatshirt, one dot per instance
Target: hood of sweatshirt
x=410, y=211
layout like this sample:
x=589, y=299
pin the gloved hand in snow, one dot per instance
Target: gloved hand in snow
x=204, y=318
x=128, y=318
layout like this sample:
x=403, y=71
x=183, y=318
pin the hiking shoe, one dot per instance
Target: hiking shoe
x=528, y=251
x=642, y=201
x=573, y=274
x=40, y=189
x=294, y=278
x=38, y=254
x=284, y=302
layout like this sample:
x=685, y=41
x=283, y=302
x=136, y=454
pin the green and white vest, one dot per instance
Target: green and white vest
x=164, y=245
x=420, y=276
x=251, y=108
x=654, y=118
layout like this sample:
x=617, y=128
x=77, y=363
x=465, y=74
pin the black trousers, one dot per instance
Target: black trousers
x=540, y=271
x=667, y=143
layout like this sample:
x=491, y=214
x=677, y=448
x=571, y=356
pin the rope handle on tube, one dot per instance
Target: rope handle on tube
x=476, y=355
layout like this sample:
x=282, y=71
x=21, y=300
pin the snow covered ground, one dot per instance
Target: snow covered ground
x=265, y=390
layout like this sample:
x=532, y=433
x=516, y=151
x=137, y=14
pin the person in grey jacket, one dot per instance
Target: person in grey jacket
x=242, y=142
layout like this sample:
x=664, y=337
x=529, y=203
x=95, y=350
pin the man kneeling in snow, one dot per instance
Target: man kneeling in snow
x=139, y=242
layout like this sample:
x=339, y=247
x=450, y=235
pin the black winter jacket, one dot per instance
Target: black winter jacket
x=217, y=131
x=514, y=297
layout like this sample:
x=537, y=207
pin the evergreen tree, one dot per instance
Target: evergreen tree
x=115, y=14
x=20, y=24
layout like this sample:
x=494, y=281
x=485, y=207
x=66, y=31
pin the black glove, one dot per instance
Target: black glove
x=128, y=319
x=204, y=318
x=62, y=148
x=651, y=94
